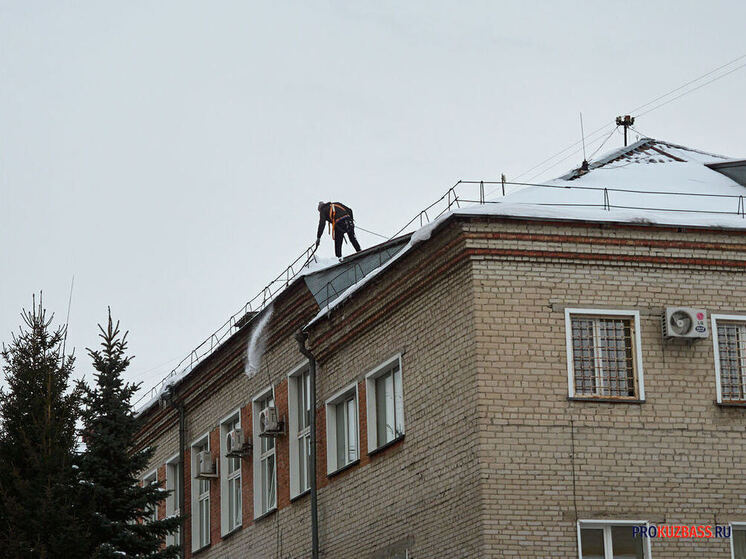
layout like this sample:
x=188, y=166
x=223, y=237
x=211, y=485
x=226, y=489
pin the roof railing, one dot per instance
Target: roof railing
x=452, y=197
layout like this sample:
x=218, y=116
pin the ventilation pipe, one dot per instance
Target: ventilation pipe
x=301, y=338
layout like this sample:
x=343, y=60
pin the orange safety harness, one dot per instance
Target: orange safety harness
x=333, y=219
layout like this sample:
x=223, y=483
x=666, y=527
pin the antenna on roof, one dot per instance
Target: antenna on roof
x=584, y=166
x=626, y=121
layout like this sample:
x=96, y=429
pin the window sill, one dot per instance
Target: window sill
x=387, y=445
x=734, y=404
x=300, y=495
x=233, y=531
x=201, y=550
x=265, y=514
x=605, y=400
x=343, y=468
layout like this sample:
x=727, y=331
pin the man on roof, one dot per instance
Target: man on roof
x=340, y=220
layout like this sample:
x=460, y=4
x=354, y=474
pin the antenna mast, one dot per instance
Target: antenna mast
x=626, y=121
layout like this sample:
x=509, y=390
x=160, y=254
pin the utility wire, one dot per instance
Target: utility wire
x=687, y=84
x=687, y=92
x=603, y=143
x=636, y=109
x=596, y=131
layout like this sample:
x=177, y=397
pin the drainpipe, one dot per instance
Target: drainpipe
x=301, y=338
x=170, y=398
x=182, y=488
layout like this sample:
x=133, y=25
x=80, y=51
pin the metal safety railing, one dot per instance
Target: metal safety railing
x=255, y=304
x=457, y=196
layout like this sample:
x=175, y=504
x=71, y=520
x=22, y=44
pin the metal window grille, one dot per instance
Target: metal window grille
x=732, y=349
x=603, y=359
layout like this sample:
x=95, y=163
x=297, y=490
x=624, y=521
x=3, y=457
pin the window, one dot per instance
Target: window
x=341, y=430
x=230, y=478
x=612, y=540
x=200, y=498
x=604, y=358
x=173, y=501
x=738, y=541
x=299, y=416
x=265, y=474
x=385, y=404
x=729, y=340
x=151, y=512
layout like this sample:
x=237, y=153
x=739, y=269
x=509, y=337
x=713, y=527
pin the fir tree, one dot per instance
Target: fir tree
x=110, y=466
x=39, y=490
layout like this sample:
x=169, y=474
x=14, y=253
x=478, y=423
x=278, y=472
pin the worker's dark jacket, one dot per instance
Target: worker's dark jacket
x=327, y=216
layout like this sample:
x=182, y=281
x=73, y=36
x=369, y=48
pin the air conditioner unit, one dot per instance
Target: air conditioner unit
x=205, y=466
x=685, y=322
x=234, y=441
x=269, y=424
x=235, y=445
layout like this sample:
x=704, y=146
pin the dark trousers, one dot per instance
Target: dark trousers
x=343, y=226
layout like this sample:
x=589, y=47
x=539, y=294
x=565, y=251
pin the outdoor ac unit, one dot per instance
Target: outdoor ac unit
x=685, y=322
x=234, y=442
x=269, y=424
x=205, y=466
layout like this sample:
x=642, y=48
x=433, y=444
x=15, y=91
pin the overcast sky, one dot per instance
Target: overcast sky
x=170, y=154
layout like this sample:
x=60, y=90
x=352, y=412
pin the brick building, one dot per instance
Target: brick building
x=497, y=384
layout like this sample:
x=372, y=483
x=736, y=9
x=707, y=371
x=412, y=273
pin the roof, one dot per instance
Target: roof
x=648, y=182
x=325, y=278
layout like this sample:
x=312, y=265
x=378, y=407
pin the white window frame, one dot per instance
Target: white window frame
x=147, y=479
x=604, y=524
x=741, y=526
x=172, y=485
x=295, y=437
x=331, y=427
x=370, y=400
x=197, y=498
x=716, y=347
x=636, y=348
x=228, y=479
x=258, y=457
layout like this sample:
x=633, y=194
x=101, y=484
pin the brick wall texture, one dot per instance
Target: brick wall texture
x=496, y=460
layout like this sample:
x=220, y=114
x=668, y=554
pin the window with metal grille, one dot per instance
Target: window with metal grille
x=603, y=354
x=730, y=357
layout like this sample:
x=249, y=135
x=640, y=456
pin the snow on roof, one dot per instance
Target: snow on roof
x=648, y=182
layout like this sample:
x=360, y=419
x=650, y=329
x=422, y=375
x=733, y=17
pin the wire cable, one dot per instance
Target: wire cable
x=603, y=143
x=371, y=232
x=687, y=92
x=636, y=109
x=687, y=84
